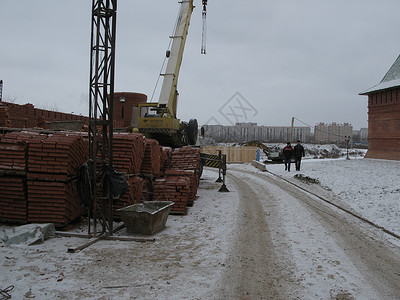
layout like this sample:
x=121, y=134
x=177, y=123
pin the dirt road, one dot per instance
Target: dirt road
x=290, y=245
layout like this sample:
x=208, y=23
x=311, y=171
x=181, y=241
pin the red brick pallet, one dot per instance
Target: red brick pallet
x=151, y=164
x=173, y=188
x=46, y=164
x=166, y=159
x=53, y=202
x=186, y=158
x=13, y=156
x=133, y=194
x=13, y=202
x=14, y=151
x=4, y=117
x=60, y=153
x=194, y=182
x=128, y=152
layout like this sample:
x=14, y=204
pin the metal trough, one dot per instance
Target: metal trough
x=145, y=218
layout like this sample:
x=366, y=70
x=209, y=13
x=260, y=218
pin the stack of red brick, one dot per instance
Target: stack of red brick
x=166, y=159
x=18, y=116
x=52, y=188
x=13, y=204
x=38, y=174
x=4, y=116
x=186, y=158
x=132, y=195
x=181, y=180
x=13, y=152
x=38, y=181
x=193, y=182
x=173, y=188
x=151, y=164
x=13, y=168
x=128, y=152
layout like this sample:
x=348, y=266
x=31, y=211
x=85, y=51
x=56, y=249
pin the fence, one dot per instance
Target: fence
x=233, y=154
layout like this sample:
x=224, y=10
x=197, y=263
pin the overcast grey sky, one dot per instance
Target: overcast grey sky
x=276, y=60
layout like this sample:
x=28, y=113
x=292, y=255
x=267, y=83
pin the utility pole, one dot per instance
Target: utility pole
x=1, y=90
x=291, y=131
x=347, y=140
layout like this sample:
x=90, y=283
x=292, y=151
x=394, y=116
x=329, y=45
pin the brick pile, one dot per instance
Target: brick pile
x=173, y=188
x=186, y=158
x=166, y=158
x=128, y=152
x=13, y=167
x=38, y=179
x=56, y=157
x=193, y=182
x=186, y=162
x=53, y=201
x=132, y=195
x=18, y=116
x=13, y=203
x=151, y=164
x=38, y=174
x=13, y=153
x=178, y=180
x=4, y=117
x=52, y=191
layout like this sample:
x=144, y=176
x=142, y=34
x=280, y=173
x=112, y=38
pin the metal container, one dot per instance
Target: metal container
x=145, y=218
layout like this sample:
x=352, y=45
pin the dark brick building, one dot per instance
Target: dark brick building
x=384, y=116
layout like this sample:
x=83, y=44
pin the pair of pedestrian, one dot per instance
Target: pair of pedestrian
x=289, y=152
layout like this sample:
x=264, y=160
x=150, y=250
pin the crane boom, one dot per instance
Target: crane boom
x=159, y=120
x=168, y=94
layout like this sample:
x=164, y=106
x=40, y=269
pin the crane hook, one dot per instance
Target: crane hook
x=204, y=31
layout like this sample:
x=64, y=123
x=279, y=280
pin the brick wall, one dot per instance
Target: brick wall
x=384, y=125
x=27, y=116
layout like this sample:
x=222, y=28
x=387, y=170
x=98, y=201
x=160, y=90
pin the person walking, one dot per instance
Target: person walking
x=298, y=154
x=287, y=156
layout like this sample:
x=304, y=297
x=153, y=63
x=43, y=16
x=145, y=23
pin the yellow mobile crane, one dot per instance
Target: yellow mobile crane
x=159, y=120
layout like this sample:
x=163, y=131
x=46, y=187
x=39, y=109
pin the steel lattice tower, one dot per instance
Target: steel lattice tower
x=101, y=94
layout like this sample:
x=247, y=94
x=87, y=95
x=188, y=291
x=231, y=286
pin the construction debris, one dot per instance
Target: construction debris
x=29, y=234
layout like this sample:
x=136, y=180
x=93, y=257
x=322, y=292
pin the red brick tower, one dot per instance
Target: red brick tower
x=384, y=116
x=125, y=108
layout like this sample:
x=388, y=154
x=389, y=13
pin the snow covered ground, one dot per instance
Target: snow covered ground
x=188, y=256
x=370, y=187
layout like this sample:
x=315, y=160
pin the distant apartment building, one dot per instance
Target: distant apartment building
x=332, y=133
x=245, y=132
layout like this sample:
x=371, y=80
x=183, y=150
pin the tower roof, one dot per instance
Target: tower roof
x=390, y=80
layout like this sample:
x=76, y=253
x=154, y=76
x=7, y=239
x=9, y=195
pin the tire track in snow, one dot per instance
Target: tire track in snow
x=252, y=270
x=377, y=262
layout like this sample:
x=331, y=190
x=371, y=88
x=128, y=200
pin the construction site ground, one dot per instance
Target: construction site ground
x=265, y=239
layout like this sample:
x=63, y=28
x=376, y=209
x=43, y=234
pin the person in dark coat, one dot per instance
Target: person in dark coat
x=298, y=154
x=287, y=156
